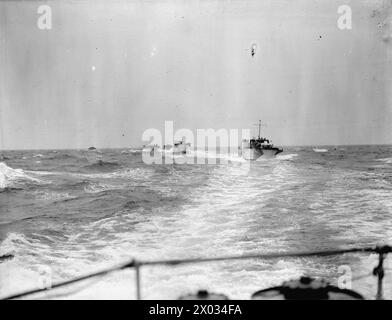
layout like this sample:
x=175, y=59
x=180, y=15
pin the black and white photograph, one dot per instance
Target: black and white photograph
x=172, y=150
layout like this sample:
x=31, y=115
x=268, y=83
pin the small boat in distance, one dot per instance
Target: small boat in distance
x=180, y=147
x=92, y=148
x=151, y=148
x=255, y=148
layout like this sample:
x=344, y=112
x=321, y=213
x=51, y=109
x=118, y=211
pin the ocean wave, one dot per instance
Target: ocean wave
x=290, y=156
x=38, y=155
x=43, y=173
x=59, y=156
x=10, y=176
x=12, y=243
x=101, y=165
x=52, y=196
x=131, y=151
x=128, y=173
x=137, y=173
x=65, y=157
x=99, y=187
x=174, y=211
x=206, y=156
x=320, y=150
x=9, y=189
x=6, y=257
x=386, y=160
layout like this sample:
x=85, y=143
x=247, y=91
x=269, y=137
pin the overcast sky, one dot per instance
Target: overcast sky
x=108, y=70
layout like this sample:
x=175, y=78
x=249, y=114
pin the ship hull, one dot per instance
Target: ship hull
x=176, y=149
x=254, y=153
x=180, y=149
x=251, y=154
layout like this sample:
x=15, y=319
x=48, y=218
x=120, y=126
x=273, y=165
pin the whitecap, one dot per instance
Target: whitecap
x=99, y=187
x=386, y=160
x=127, y=151
x=127, y=173
x=287, y=156
x=52, y=196
x=9, y=175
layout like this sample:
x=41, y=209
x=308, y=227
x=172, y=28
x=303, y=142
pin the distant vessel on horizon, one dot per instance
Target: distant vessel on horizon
x=150, y=148
x=179, y=147
x=255, y=148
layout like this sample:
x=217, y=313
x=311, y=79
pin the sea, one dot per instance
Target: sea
x=67, y=213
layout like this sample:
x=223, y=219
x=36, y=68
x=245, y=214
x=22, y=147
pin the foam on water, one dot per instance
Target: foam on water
x=292, y=203
x=9, y=176
x=205, y=157
x=124, y=173
x=290, y=156
x=386, y=160
x=99, y=187
x=52, y=196
x=131, y=151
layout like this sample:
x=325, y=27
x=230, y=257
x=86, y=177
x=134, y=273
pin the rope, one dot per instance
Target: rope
x=74, y=280
x=79, y=287
x=133, y=264
x=258, y=256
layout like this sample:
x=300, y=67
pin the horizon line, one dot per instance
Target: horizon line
x=137, y=147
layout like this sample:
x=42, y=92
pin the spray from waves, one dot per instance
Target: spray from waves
x=131, y=151
x=386, y=160
x=290, y=156
x=222, y=158
x=100, y=187
x=43, y=173
x=9, y=177
x=52, y=196
x=12, y=243
x=320, y=150
x=236, y=280
x=126, y=173
x=238, y=158
x=201, y=155
x=23, y=272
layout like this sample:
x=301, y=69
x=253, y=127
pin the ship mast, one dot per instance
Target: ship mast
x=259, y=127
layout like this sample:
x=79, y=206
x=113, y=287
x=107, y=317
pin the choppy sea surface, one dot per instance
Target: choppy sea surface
x=64, y=213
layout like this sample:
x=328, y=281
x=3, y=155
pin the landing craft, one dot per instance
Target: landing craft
x=179, y=147
x=150, y=148
x=256, y=148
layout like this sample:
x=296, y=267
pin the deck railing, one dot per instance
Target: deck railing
x=378, y=271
